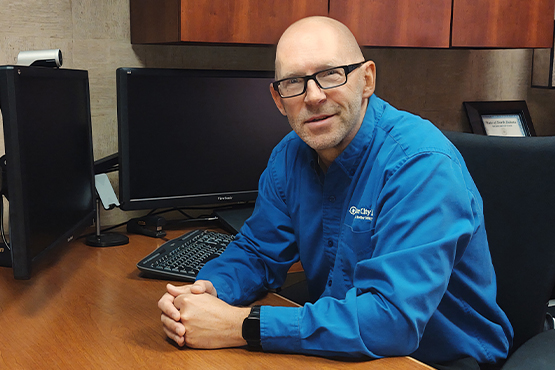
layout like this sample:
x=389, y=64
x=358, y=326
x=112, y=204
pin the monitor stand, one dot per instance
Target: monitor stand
x=232, y=219
x=104, y=239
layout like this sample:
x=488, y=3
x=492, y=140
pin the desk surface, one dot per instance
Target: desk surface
x=88, y=308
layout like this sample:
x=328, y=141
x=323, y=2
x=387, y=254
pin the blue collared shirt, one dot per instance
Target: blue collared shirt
x=392, y=242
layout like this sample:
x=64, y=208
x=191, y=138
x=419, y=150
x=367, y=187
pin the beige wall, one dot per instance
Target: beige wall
x=94, y=35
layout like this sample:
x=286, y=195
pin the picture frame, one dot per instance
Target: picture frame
x=499, y=118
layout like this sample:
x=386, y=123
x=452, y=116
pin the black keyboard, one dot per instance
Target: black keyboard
x=183, y=257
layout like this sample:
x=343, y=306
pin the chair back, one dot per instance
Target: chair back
x=516, y=179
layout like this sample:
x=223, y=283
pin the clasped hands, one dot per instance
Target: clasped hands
x=194, y=316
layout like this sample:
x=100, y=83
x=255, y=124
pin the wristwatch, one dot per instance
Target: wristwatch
x=251, y=329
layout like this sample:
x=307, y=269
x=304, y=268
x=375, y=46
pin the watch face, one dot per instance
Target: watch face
x=251, y=328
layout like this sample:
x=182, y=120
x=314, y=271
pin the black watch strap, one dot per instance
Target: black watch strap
x=251, y=328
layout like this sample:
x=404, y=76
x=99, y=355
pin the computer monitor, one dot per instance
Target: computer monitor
x=48, y=158
x=194, y=137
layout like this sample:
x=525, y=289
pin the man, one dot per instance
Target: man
x=380, y=210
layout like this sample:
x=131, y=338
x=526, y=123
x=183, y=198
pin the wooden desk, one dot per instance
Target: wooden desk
x=88, y=308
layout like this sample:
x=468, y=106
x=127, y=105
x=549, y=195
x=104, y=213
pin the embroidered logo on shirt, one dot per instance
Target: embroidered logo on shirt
x=362, y=213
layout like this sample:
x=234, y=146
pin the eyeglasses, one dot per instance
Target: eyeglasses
x=326, y=79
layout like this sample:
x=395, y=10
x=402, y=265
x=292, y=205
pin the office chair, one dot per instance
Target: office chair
x=516, y=179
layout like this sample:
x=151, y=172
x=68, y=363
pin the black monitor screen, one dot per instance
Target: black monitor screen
x=191, y=137
x=49, y=158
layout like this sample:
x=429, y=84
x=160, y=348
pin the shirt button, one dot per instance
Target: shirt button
x=329, y=282
x=331, y=199
x=330, y=243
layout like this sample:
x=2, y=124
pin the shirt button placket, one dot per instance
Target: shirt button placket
x=330, y=230
x=331, y=199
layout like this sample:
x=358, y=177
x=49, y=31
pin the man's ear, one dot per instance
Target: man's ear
x=277, y=100
x=369, y=69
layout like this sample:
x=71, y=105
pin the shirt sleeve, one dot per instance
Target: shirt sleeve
x=425, y=218
x=262, y=253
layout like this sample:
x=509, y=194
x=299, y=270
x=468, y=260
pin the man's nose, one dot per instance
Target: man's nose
x=314, y=94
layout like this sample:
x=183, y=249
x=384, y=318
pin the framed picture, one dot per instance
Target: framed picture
x=499, y=118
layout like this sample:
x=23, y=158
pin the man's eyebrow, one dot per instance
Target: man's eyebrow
x=319, y=69
x=292, y=75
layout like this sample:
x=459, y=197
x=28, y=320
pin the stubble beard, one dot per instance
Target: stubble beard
x=335, y=135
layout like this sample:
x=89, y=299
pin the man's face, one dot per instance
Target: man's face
x=324, y=119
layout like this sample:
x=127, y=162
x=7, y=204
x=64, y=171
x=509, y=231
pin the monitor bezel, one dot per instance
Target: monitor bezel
x=208, y=200
x=19, y=213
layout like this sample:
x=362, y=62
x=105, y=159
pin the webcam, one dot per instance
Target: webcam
x=40, y=58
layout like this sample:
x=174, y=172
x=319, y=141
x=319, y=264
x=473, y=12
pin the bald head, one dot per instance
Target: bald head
x=307, y=38
x=315, y=50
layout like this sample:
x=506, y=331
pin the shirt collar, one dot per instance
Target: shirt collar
x=350, y=158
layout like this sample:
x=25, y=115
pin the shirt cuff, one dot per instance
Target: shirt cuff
x=279, y=328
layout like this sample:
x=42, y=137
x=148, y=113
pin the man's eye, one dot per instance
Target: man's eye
x=294, y=81
x=329, y=73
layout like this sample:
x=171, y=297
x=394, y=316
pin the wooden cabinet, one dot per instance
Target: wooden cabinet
x=217, y=21
x=398, y=23
x=406, y=23
x=427, y=23
x=503, y=23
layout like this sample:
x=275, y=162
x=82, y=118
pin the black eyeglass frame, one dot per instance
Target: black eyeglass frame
x=347, y=68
